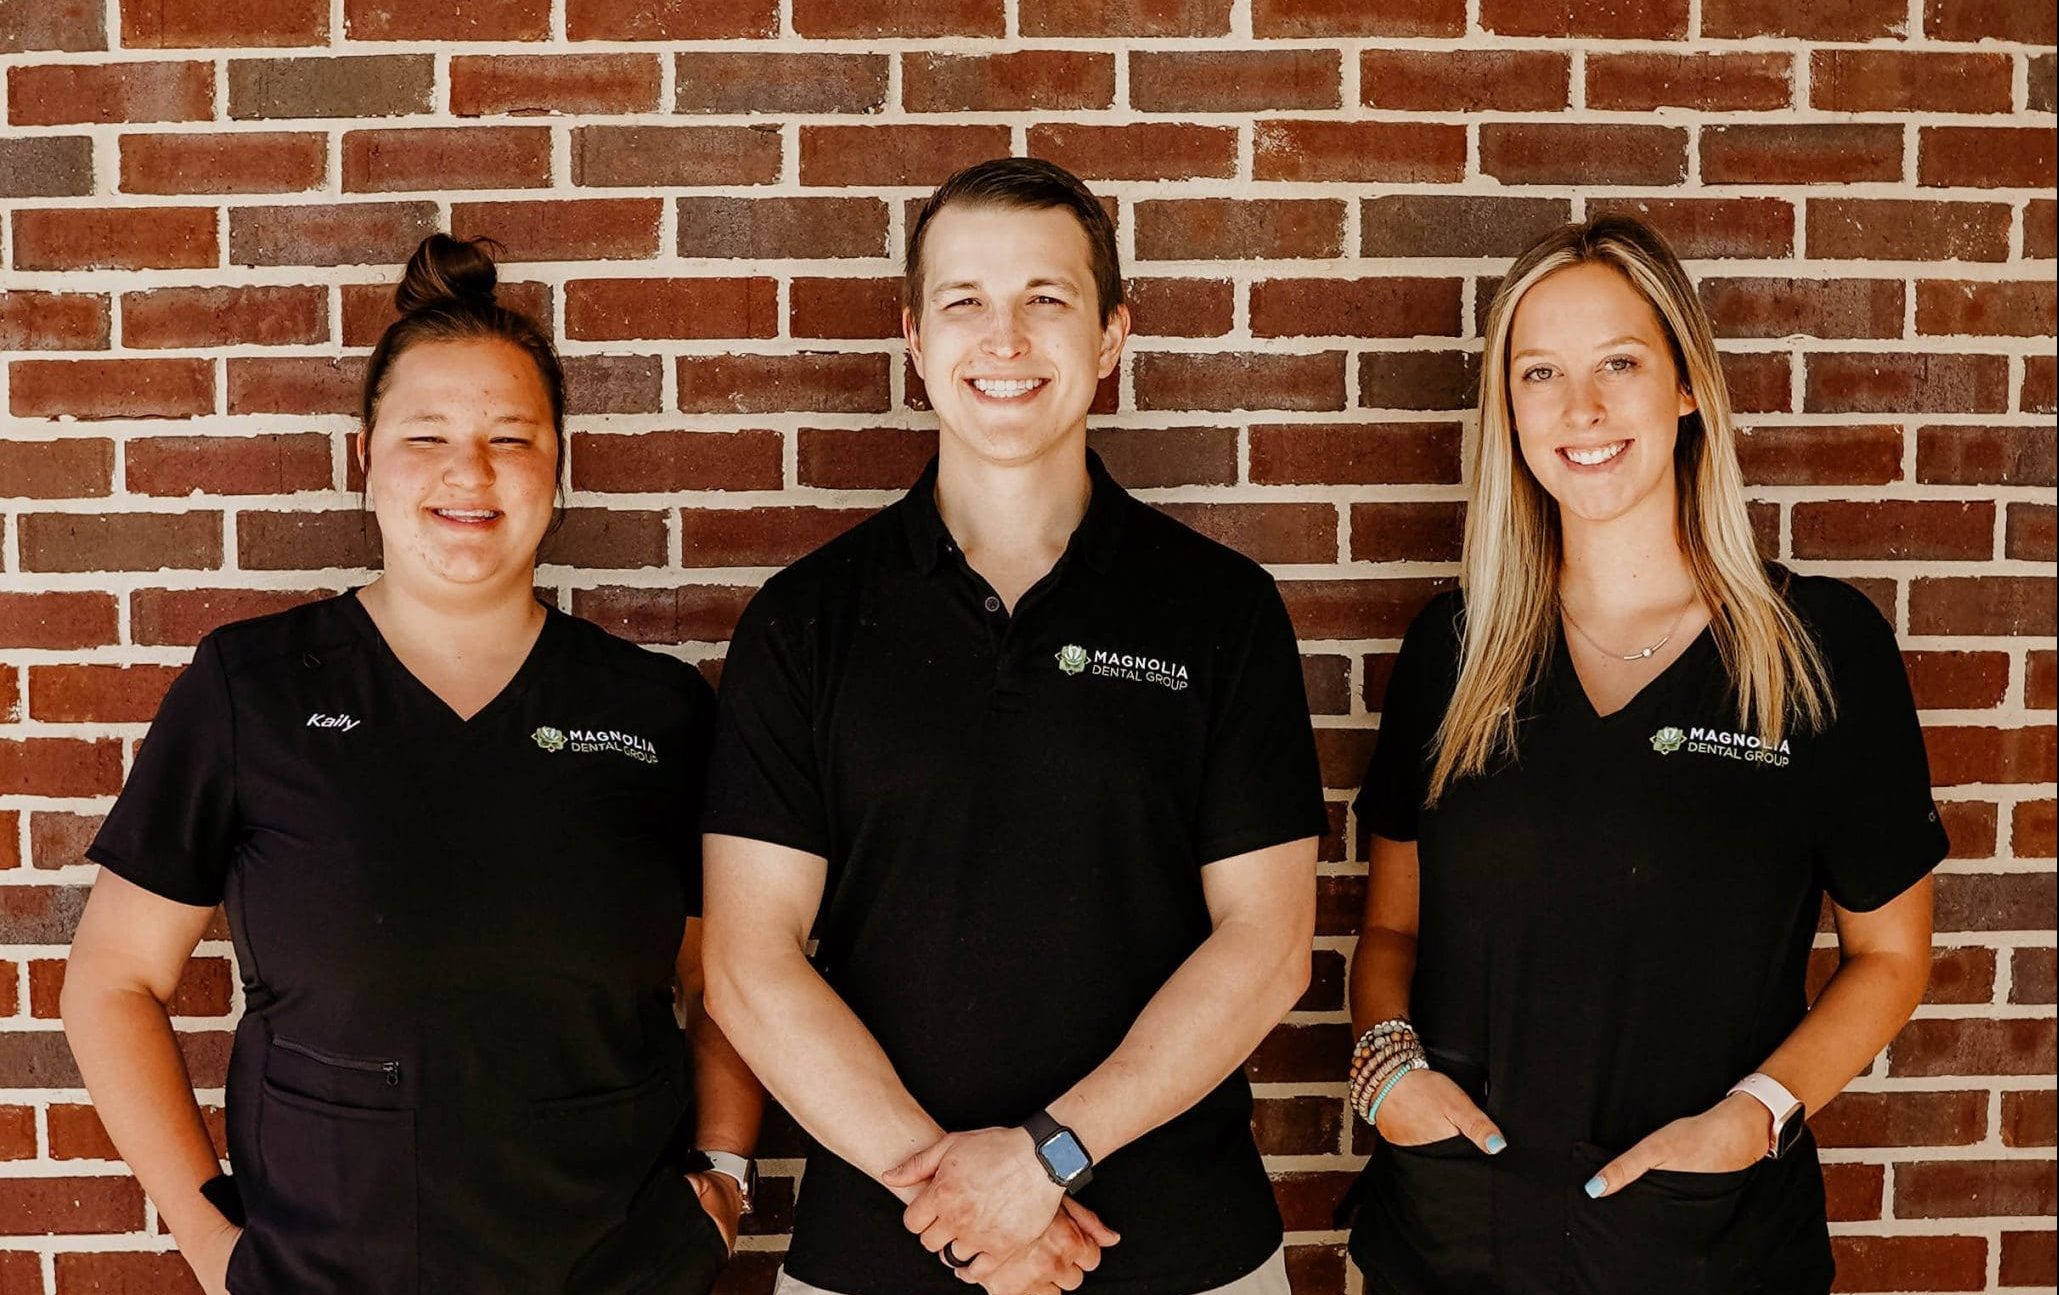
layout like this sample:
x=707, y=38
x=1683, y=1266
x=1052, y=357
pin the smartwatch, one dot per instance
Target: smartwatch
x=1063, y=1156
x=739, y=1168
x=1789, y=1119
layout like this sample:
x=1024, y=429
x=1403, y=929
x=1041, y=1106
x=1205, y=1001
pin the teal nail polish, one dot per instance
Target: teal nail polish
x=1496, y=1144
x=1595, y=1186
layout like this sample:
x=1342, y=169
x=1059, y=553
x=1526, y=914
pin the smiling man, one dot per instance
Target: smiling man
x=1033, y=762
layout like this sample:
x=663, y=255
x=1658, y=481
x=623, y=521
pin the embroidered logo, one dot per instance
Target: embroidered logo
x=548, y=738
x=341, y=723
x=1668, y=740
x=1724, y=744
x=588, y=741
x=1133, y=666
x=1072, y=659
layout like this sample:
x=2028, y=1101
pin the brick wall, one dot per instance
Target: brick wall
x=205, y=203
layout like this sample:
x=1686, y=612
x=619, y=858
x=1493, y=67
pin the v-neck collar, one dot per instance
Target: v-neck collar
x=517, y=684
x=1566, y=680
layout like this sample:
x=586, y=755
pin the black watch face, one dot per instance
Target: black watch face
x=1066, y=1157
x=1791, y=1132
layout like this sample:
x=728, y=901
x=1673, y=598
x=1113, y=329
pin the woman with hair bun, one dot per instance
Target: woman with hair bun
x=454, y=833
x=1618, y=771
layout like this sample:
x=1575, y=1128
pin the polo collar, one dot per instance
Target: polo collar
x=1097, y=539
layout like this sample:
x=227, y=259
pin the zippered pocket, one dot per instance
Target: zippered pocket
x=389, y=1070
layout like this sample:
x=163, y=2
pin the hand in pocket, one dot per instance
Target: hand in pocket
x=1425, y=1107
x=723, y=1200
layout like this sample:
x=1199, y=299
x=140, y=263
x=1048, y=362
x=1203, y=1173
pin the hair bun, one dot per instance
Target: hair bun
x=447, y=270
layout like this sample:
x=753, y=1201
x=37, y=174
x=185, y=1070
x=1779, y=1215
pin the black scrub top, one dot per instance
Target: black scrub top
x=1016, y=810
x=1615, y=928
x=458, y=1068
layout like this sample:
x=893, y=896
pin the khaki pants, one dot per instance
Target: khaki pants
x=1269, y=1279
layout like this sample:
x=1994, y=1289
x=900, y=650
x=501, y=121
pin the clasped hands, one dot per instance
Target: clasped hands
x=985, y=1195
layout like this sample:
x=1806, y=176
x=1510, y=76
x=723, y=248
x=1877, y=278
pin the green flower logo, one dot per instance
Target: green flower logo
x=1668, y=740
x=1072, y=658
x=548, y=738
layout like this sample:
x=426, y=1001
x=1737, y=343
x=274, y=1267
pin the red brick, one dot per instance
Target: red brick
x=268, y=464
x=92, y=1273
x=618, y=309
x=1144, y=151
x=1273, y=533
x=62, y=469
x=71, y=1206
x=1842, y=153
x=1986, y=157
x=1406, y=532
x=1152, y=457
x=1904, y=383
x=58, y=839
x=1712, y=228
x=179, y=617
x=53, y=25
x=782, y=83
x=1355, y=307
x=2034, y=973
x=1982, y=605
x=1648, y=79
x=1844, y=20
x=1609, y=20
x=653, y=156
x=1895, y=530
x=605, y=539
x=59, y=766
x=368, y=307
x=207, y=24
x=1181, y=307
x=688, y=614
x=2044, y=83
x=56, y=619
x=98, y=694
x=46, y=166
x=861, y=19
x=2029, y=1259
x=1834, y=454
x=1358, y=151
x=1248, y=380
x=1958, y=680
x=462, y=157
x=2019, y=309
x=2030, y=534
x=244, y=162
x=312, y=541
x=1441, y=380
x=1234, y=80
x=879, y=458
x=1888, y=80
x=1853, y=1193
x=1234, y=229
x=820, y=382
x=1579, y=153
x=585, y=229
x=1447, y=225
x=1296, y=1053
x=2028, y=1118
x=1960, y=455
x=2041, y=692
x=60, y=94
x=759, y=537
x=446, y=20
x=1902, y=1119
x=1758, y=381
x=1182, y=18
x=361, y=233
x=76, y=1133
x=17, y=1123
x=670, y=19
x=1972, y=826
x=1910, y=1263
x=1889, y=229
x=2040, y=391
x=1317, y=18
x=1958, y=1189
x=377, y=85
x=311, y=384
x=2027, y=21
x=2041, y=229
x=1355, y=453
x=1960, y=756
x=1464, y=81
x=120, y=541
x=759, y=229
x=676, y=460
x=1841, y=307
x=848, y=308
x=1021, y=80
x=151, y=238
x=895, y=155
x=539, y=84
x=614, y=384
x=252, y=316
x=111, y=388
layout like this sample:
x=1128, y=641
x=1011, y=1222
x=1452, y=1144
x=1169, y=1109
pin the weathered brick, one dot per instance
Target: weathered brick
x=1182, y=18
x=2019, y=309
x=57, y=619
x=653, y=156
x=818, y=382
x=53, y=321
x=1465, y=81
x=1713, y=228
x=582, y=229
x=1144, y=151
x=365, y=85
x=179, y=617
x=1358, y=151
x=53, y=25
x=192, y=317
x=1899, y=530
x=1320, y=18
x=1613, y=20
x=309, y=384
x=1713, y=82
x=844, y=307
x=1987, y=157
x=1233, y=229
x=1953, y=454
x=1233, y=80
x=1579, y=153
x=111, y=388
x=1181, y=307
x=1247, y=380
x=443, y=21
x=244, y=162
x=1841, y=307
x=1889, y=80
x=46, y=166
x=1355, y=307
x=1355, y=453
x=528, y=84
x=160, y=238
x=1901, y=383
x=359, y=233
x=272, y=463
x=1982, y=605
x=439, y=158
x=1958, y=1189
x=619, y=309
x=670, y=19
x=57, y=94
x=895, y=155
x=779, y=82
x=1849, y=20
x=1840, y=153
x=861, y=19
x=676, y=460
x=2013, y=20
x=1893, y=229
x=758, y=229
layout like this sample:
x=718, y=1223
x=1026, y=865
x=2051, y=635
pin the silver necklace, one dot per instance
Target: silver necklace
x=1642, y=654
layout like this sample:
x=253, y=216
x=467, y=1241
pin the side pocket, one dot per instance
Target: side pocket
x=1669, y=1231
x=1426, y=1219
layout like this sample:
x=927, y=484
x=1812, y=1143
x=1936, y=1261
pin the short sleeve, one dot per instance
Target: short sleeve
x=1877, y=828
x=764, y=780
x=173, y=830
x=1260, y=782
x=1397, y=781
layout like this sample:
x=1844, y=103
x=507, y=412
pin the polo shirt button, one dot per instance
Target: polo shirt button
x=993, y=603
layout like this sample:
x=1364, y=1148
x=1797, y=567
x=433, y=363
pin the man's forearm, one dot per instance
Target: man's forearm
x=818, y=1059
x=1198, y=1028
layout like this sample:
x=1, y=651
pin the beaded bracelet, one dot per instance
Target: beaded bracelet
x=1381, y=1057
x=1413, y=1063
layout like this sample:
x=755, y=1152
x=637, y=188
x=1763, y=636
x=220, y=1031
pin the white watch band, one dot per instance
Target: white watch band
x=734, y=1167
x=1770, y=1093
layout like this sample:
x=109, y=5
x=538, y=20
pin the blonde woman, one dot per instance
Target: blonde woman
x=1617, y=773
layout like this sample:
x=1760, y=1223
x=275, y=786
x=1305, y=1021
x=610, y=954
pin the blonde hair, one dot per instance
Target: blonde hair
x=1512, y=556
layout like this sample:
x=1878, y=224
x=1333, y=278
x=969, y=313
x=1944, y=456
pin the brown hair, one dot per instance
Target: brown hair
x=1022, y=182
x=446, y=295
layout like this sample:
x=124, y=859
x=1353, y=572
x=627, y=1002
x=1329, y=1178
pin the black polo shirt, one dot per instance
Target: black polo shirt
x=1615, y=927
x=1016, y=810
x=458, y=1067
